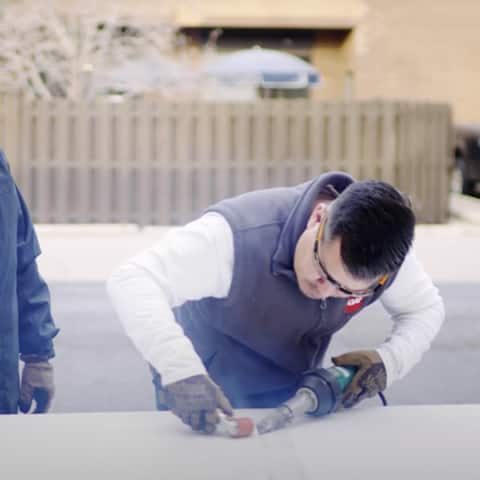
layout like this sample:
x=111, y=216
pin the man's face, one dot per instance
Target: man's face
x=321, y=273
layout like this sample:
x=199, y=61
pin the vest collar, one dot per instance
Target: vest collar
x=294, y=226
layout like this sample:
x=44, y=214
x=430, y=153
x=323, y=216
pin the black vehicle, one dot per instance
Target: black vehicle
x=467, y=159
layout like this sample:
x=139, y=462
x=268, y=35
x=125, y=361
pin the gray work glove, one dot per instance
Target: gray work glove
x=196, y=400
x=370, y=378
x=36, y=384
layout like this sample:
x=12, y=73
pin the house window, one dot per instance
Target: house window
x=296, y=42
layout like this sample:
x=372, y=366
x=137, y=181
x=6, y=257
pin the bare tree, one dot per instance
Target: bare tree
x=47, y=52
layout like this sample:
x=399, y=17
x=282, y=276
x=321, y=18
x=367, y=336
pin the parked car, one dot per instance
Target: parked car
x=467, y=159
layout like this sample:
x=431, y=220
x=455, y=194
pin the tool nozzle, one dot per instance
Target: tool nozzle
x=279, y=418
x=303, y=402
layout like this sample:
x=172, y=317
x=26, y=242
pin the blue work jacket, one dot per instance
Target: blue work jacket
x=26, y=324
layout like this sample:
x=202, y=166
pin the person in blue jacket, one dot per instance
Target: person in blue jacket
x=26, y=324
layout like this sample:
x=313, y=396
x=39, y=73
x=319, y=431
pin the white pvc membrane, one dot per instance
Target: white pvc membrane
x=440, y=442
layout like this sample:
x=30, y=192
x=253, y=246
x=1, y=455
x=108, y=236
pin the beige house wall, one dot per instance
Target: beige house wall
x=232, y=13
x=409, y=49
x=421, y=49
x=332, y=55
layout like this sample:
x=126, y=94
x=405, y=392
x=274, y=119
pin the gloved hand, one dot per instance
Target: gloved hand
x=368, y=381
x=196, y=400
x=36, y=384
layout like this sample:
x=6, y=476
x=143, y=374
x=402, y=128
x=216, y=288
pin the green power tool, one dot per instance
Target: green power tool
x=319, y=394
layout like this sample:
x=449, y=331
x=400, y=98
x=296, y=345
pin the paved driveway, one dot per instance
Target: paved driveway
x=99, y=370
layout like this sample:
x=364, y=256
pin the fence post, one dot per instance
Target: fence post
x=104, y=161
x=144, y=162
x=61, y=160
x=389, y=142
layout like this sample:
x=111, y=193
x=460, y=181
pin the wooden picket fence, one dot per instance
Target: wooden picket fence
x=155, y=162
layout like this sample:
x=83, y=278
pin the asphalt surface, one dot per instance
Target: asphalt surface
x=99, y=370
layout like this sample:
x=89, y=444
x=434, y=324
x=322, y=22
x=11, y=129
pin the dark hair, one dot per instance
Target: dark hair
x=375, y=224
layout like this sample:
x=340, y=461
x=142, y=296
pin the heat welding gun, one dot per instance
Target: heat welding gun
x=319, y=394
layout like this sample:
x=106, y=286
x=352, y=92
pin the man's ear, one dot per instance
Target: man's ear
x=317, y=214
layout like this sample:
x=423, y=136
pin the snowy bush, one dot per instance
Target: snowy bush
x=77, y=53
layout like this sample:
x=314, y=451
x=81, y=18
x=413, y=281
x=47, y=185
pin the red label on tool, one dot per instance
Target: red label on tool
x=353, y=305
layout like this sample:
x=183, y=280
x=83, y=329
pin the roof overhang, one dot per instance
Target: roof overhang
x=306, y=14
x=307, y=23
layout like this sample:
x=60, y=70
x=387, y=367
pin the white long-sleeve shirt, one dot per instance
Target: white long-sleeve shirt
x=196, y=261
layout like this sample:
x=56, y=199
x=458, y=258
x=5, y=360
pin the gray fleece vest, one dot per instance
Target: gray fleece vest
x=256, y=342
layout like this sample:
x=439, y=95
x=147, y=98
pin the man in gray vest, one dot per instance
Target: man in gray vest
x=230, y=309
x=26, y=324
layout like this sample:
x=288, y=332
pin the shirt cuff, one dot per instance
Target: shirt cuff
x=31, y=358
x=390, y=362
x=175, y=375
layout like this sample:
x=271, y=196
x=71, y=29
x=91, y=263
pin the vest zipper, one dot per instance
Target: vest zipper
x=323, y=306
